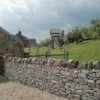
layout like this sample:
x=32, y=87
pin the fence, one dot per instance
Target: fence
x=48, y=54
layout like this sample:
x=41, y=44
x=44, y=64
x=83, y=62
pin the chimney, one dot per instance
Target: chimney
x=19, y=33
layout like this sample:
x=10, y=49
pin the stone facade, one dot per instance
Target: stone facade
x=2, y=68
x=67, y=81
x=9, y=44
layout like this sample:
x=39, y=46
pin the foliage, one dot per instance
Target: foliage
x=74, y=35
x=95, y=28
x=46, y=42
x=85, y=32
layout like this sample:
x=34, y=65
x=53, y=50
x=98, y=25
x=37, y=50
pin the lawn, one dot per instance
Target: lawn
x=87, y=50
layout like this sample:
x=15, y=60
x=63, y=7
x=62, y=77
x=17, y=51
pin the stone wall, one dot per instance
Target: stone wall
x=55, y=76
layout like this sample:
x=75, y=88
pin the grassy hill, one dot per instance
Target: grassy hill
x=87, y=50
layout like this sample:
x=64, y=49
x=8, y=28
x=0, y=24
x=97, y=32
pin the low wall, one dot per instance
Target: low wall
x=72, y=83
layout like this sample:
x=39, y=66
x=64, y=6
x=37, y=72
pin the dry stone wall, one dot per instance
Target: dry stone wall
x=80, y=82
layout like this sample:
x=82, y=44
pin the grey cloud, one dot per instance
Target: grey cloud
x=40, y=16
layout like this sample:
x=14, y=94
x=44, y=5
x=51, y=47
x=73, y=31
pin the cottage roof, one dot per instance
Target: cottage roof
x=22, y=37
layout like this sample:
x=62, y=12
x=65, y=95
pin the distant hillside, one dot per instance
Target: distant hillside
x=86, y=50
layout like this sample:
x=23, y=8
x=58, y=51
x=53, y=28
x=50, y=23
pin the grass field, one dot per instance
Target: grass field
x=87, y=50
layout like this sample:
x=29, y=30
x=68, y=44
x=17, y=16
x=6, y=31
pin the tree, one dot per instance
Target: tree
x=86, y=32
x=74, y=35
x=46, y=42
x=96, y=28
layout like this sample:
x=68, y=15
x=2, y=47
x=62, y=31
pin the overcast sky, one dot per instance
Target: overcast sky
x=35, y=18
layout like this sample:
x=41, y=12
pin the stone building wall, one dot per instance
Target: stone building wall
x=2, y=68
x=10, y=44
x=75, y=83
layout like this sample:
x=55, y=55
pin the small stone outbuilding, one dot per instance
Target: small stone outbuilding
x=57, y=36
x=9, y=44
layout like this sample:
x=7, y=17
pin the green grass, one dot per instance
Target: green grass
x=87, y=50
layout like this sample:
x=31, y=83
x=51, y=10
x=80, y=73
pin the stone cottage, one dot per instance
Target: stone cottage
x=33, y=42
x=26, y=41
x=9, y=44
x=23, y=39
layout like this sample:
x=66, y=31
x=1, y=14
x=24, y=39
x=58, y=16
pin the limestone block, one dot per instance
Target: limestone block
x=97, y=96
x=98, y=74
x=91, y=82
x=98, y=83
x=82, y=75
x=96, y=65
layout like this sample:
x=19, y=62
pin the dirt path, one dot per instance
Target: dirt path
x=17, y=91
